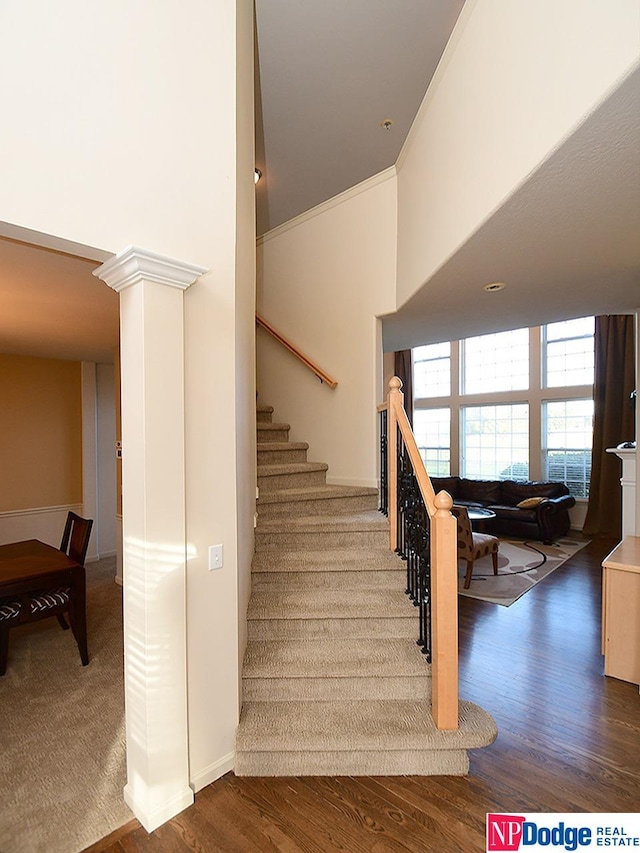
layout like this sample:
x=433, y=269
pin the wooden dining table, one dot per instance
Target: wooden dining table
x=32, y=566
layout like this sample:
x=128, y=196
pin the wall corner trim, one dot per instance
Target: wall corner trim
x=133, y=265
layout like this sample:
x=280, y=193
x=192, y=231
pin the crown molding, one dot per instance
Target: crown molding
x=133, y=265
x=324, y=206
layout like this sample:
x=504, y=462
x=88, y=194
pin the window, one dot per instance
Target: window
x=497, y=362
x=432, y=370
x=432, y=429
x=568, y=351
x=495, y=442
x=519, y=407
x=567, y=439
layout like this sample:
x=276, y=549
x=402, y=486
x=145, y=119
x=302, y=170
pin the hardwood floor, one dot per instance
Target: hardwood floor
x=569, y=740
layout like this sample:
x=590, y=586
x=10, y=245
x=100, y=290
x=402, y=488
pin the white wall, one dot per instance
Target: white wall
x=43, y=523
x=119, y=132
x=514, y=81
x=322, y=279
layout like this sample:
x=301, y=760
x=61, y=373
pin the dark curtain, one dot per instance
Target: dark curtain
x=613, y=420
x=403, y=369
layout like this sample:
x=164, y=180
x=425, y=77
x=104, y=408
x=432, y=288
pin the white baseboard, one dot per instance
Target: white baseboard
x=101, y=556
x=213, y=771
x=153, y=818
x=348, y=481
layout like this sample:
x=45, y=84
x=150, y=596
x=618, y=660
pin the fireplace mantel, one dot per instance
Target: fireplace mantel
x=628, y=483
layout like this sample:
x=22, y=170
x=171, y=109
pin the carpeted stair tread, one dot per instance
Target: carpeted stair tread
x=334, y=682
x=349, y=726
x=368, y=520
x=260, y=407
x=329, y=604
x=334, y=659
x=282, y=445
x=328, y=560
x=277, y=470
x=311, y=493
x=349, y=582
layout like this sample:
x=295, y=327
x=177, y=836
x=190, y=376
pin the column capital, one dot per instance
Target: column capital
x=133, y=265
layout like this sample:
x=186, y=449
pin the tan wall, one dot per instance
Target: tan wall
x=40, y=433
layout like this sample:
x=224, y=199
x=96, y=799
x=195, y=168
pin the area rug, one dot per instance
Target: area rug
x=521, y=565
x=62, y=735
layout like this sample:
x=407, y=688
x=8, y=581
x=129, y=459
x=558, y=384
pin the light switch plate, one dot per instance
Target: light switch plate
x=215, y=557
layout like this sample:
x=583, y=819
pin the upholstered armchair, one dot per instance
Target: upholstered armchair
x=472, y=546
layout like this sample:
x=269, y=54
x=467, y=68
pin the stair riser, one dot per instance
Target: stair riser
x=298, y=480
x=323, y=506
x=279, y=457
x=449, y=762
x=327, y=561
x=272, y=434
x=264, y=417
x=319, y=689
x=375, y=628
x=307, y=541
x=350, y=582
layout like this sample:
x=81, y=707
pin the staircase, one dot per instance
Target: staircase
x=333, y=681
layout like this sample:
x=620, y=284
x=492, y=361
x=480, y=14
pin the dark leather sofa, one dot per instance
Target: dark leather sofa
x=547, y=522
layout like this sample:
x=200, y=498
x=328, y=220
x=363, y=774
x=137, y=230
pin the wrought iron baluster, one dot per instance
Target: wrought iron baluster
x=384, y=465
x=413, y=529
x=401, y=490
x=414, y=546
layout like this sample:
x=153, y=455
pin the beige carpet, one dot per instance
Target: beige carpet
x=62, y=733
x=520, y=567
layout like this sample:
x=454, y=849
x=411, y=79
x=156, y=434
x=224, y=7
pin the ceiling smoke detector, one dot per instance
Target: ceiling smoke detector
x=494, y=286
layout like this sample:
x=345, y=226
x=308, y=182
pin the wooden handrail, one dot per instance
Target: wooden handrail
x=444, y=562
x=322, y=376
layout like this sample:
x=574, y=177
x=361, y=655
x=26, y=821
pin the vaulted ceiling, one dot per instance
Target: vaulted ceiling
x=329, y=76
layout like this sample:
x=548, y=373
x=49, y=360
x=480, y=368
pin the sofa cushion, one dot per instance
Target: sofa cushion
x=446, y=484
x=481, y=492
x=511, y=493
x=513, y=513
x=530, y=503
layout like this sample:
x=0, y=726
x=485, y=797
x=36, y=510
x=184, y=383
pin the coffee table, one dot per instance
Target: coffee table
x=479, y=515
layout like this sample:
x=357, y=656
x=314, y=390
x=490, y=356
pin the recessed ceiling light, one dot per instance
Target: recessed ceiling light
x=387, y=124
x=494, y=286
x=256, y=176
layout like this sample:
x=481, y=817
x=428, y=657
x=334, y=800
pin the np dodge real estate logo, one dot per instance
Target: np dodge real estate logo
x=572, y=831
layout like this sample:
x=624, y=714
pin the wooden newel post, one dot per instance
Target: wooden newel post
x=444, y=614
x=395, y=399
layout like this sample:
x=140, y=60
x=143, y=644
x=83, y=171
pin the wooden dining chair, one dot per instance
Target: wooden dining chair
x=41, y=604
x=75, y=542
x=472, y=546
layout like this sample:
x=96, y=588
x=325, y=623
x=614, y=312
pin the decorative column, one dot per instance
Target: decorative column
x=154, y=551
